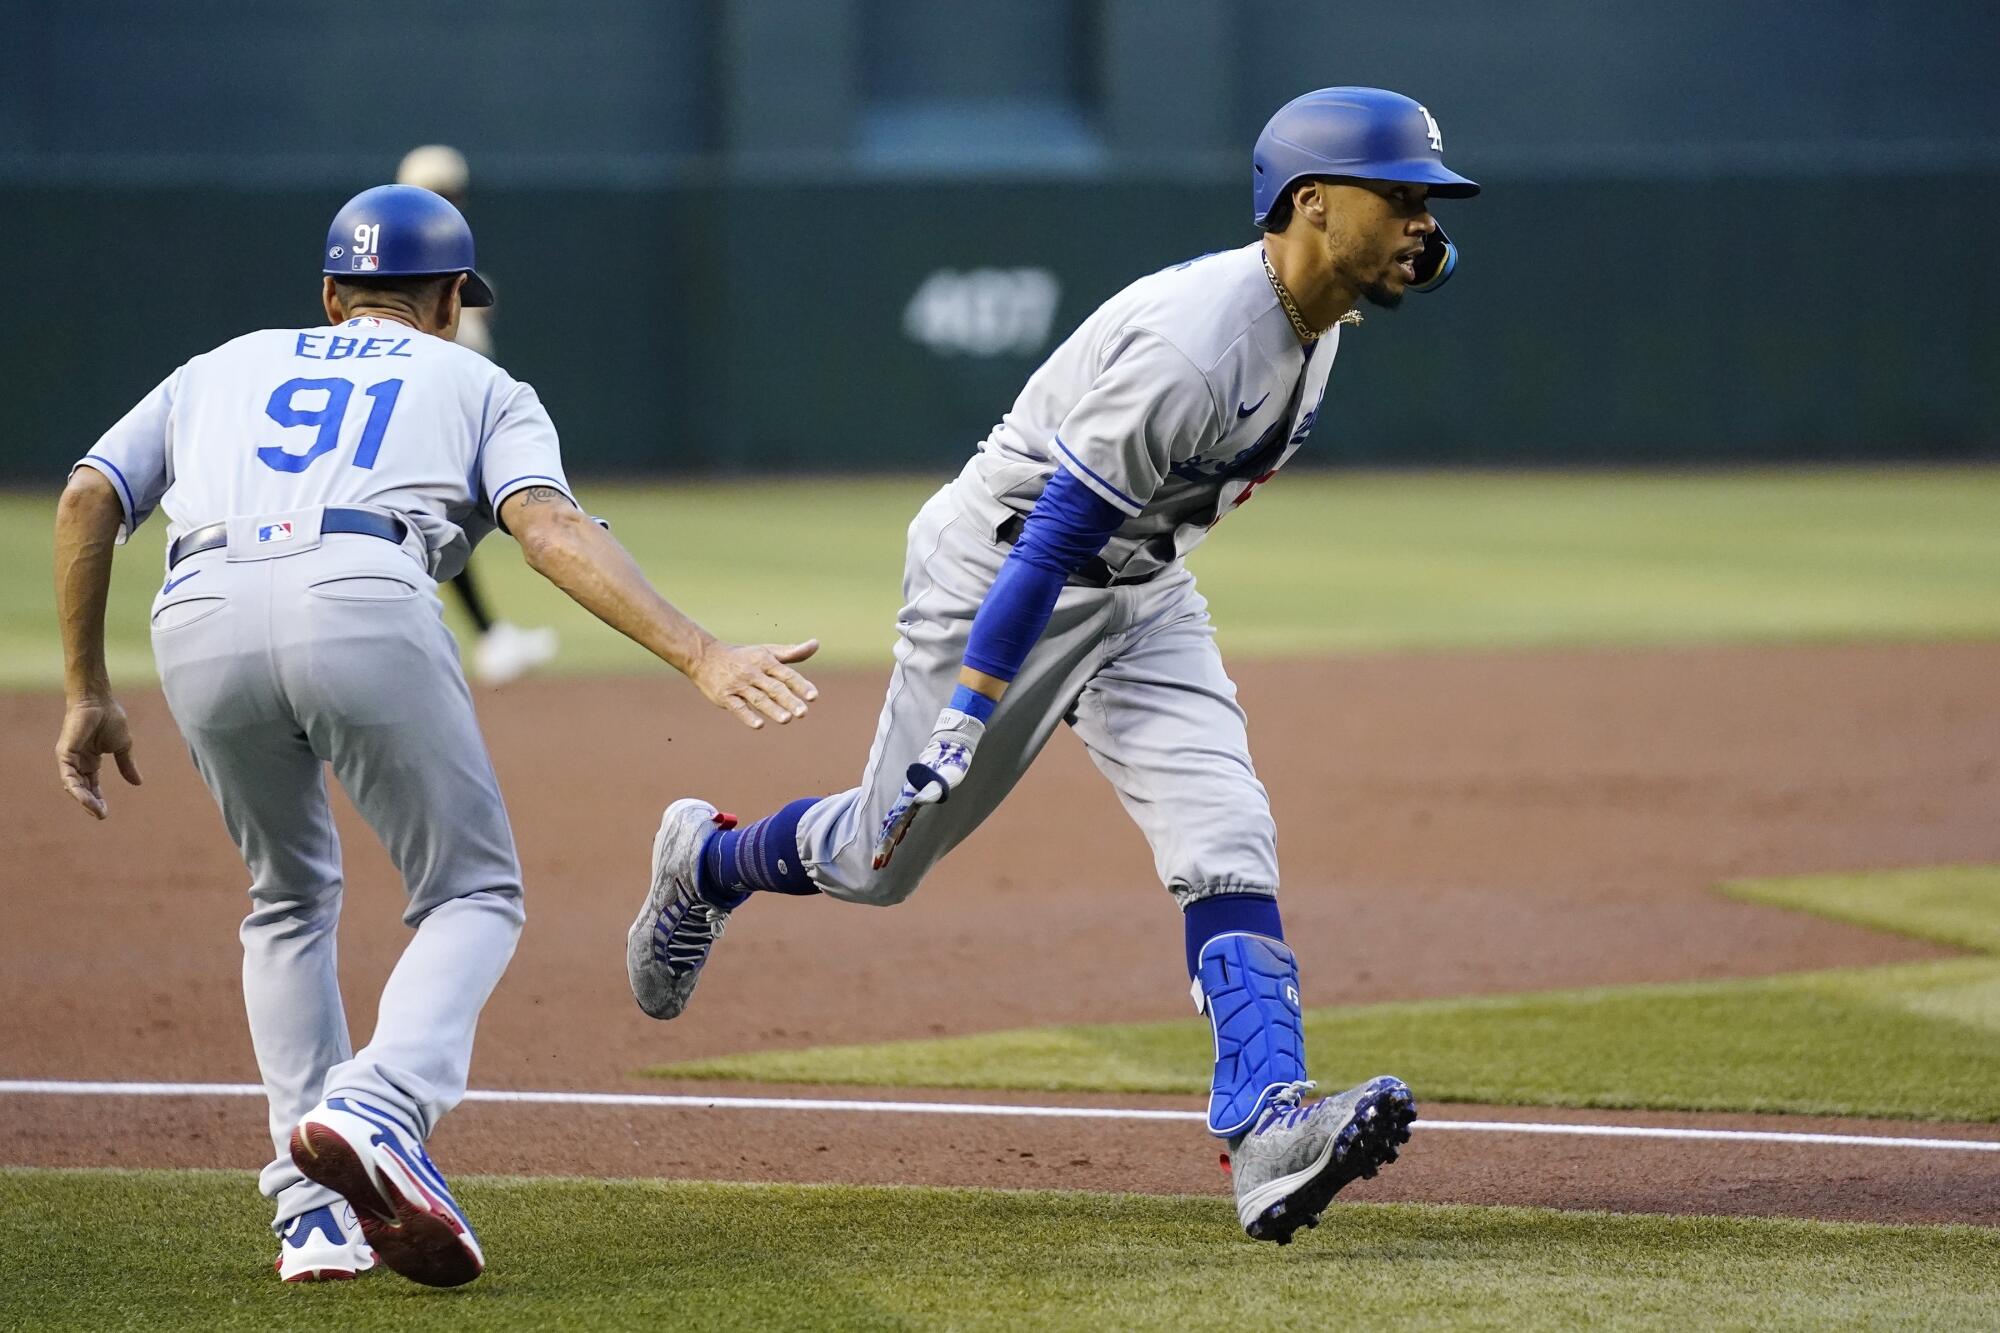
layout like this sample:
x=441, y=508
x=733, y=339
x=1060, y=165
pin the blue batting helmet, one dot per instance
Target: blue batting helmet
x=403, y=231
x=1366, y=133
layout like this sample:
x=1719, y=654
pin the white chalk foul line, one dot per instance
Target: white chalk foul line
x=61, y=1088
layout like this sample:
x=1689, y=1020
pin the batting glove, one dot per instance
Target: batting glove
x=931, y=780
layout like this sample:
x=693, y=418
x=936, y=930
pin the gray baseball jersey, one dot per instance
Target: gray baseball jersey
x=1172, y=402
x=369, y=412
x=294, y=645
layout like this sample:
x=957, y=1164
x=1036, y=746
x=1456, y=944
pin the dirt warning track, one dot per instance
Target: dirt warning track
x=1448, y=825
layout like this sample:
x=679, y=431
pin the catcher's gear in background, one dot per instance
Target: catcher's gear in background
x=403, y=231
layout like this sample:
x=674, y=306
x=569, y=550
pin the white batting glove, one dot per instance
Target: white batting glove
x=930, y=781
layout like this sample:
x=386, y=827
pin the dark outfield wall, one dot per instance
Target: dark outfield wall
x=884, y=326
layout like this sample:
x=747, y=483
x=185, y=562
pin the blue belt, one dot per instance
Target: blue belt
x=360, y=522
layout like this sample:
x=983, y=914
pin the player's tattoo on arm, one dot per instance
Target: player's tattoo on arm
x=514, y=510
x=537, y=495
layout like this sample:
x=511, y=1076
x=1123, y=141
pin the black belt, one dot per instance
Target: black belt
x=360, y=522
x=1093, y=573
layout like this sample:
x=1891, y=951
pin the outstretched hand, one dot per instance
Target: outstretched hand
x=756, y=681
x=91, y=729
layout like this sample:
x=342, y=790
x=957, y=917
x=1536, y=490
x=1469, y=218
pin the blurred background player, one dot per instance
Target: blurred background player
x=503, y=651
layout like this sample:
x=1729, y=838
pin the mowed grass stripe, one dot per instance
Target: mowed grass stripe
x=1857, y=1043
x=1955, y=905
x=1916, y=1041
x=189, y=1250
x=1319, y=562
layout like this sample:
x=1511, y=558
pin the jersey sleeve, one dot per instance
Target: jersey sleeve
x=132, y=455
x=1148, y=409
x=520, y=450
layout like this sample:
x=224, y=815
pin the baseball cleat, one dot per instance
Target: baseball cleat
x=405, y=1209
x=670, y=938
x=1302, y=1153
x=323, y=1245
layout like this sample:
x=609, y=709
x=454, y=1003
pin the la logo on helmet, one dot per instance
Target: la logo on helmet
x=1437, y=135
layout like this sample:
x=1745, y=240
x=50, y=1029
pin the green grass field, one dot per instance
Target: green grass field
x=1320, y=562
x=103, y=1250
x=1919, y=1040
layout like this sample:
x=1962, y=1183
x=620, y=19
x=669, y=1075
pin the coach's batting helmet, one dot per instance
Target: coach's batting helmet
x=1366, y=133
x=403, y=231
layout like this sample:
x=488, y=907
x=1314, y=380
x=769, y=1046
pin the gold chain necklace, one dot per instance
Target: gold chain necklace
x=1307, y=333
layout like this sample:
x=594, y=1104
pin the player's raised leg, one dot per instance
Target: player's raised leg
x=704, y=866
x=1161, y=721
x=950, y=568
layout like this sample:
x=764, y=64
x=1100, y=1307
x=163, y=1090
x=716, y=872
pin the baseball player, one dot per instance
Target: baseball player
x=1047, y=584
x=503, y=651
x=317, y=483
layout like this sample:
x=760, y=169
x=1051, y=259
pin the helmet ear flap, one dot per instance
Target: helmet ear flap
x=1436, y=263
x=1278, y=215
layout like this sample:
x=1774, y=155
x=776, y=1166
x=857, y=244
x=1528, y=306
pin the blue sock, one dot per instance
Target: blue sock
x=760, y=857
x=1253, y=913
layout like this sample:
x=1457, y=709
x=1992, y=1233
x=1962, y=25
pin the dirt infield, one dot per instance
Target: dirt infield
x=1449, y=825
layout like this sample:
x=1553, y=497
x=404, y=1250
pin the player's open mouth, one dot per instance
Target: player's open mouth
x=1407, y=265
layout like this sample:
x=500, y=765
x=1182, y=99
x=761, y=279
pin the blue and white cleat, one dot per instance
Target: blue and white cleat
x=323, y=1245
x=668, y=944
x=405, y=1209
x=1303, y=1153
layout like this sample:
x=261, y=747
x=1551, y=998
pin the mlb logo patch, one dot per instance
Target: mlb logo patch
x=367, y=263
x=274, y=532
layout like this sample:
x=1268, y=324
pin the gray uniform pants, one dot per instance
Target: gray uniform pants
x=274, y=666
x=1135, y=672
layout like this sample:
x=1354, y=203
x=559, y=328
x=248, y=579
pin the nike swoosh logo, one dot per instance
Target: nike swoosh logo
x=171, y=584
x=1243, y=411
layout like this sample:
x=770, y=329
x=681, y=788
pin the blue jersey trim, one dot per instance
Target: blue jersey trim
x=124, y=487
x=1116, y=495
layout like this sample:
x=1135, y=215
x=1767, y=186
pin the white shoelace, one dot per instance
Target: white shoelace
x=691, y=936
x=1286, y=1101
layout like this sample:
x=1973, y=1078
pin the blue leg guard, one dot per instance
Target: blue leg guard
x=1248, y=985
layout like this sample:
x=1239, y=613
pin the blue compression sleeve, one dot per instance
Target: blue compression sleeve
x=1067, y=526
x=1225, y=914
